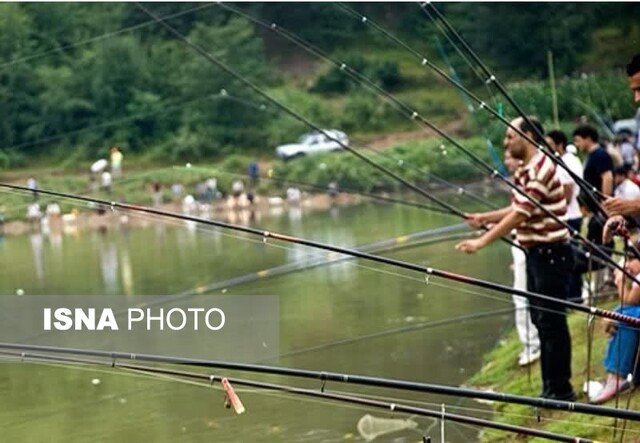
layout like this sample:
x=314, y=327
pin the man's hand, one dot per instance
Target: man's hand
x=610, y=326
x=622, y=206
x=475, y=220
x=470, y=246
x=633, y=266
x=607, y=232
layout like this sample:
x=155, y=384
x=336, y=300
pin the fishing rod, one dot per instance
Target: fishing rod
x=266, y=235
x=459, y=189
x=441, y=48
x=360, y=78
x=233, y=399
x=415, y=116
x=113, y=358
x=494, y=173
x=492, y=79
x=304, y=120
x=13, y=209
x=492, y=150
x=554, y=156
x=414, y=240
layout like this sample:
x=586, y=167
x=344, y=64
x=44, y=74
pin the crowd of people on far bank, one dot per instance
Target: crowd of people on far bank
x=239, y=198
x=597, y=197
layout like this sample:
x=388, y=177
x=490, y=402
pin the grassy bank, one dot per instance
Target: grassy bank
x=501, y=373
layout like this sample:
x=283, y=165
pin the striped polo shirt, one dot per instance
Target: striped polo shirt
x=539, y=180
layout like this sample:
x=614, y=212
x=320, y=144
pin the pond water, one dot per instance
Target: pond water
x=318, y=308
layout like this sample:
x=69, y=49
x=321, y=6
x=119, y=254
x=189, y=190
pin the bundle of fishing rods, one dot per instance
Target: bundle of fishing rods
x=595, y=252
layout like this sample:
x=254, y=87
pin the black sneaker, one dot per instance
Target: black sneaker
x=569, y=396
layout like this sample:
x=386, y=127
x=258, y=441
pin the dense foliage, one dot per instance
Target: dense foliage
x=414, y=161
x=76, y=78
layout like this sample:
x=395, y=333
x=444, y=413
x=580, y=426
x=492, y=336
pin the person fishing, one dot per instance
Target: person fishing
x=550, y=258
x=620, y=357
x=619, y=205
x=527, y=332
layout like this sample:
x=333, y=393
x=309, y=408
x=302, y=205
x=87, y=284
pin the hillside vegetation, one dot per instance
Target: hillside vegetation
x=76, y=78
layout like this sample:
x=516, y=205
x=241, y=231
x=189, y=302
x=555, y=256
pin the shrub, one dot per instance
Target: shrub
x=383, y=73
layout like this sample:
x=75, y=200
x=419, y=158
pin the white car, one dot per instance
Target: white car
x=313, y=143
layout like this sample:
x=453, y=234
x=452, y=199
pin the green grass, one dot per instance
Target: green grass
x=501, y=373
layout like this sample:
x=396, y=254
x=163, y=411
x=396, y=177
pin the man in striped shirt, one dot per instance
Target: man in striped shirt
x=549, y=256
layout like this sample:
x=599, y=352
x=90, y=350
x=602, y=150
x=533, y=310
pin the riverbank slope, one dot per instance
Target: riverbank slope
x=501, y=373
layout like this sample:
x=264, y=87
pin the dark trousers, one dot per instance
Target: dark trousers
x=575, y=281
x=549, y=267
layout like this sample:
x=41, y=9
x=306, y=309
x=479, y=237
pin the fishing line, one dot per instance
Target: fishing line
x=351, y=73
x=127, y=179
x=146, y=375
x=457, y=188
x=625, y=239
x=299, y=117
x=428, y=272
x=270, y=272
x=541, y=147
x=491, y=78
x=462, y=55
x=351, y=398
x=411, y=328
x=30, y=416
x=398, y=243
x=492, y=150
x=414, y=115
x=485, y=411
x=112, y=359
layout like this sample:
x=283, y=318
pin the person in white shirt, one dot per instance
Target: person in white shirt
x=624, y=187
x=557, y=140
x=105, y=181
x=32, y=184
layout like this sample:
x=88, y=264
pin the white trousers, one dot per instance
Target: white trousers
x=527, y=332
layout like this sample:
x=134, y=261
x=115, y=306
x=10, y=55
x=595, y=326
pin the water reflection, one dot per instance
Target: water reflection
x=55, y=240
x=108, y=254
x=38, y=255
x=127, y=271
x=295, y=214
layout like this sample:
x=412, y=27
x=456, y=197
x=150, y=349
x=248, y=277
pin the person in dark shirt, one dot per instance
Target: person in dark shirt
x=598, y=172
x=598, y=168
